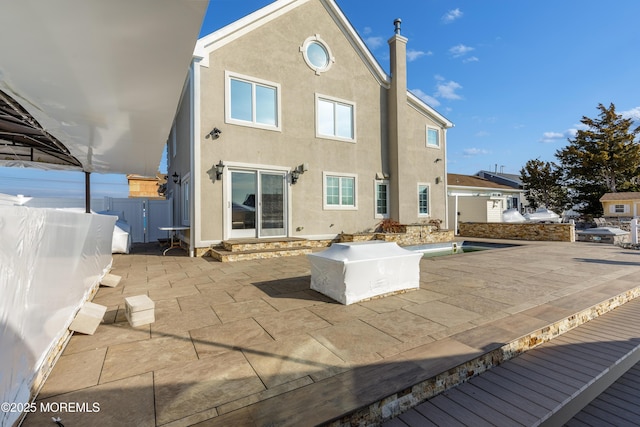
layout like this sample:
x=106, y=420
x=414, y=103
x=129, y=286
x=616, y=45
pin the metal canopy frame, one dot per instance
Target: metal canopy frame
x=22, y=138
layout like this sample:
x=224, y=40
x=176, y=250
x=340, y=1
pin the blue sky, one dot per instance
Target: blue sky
x=515, y=77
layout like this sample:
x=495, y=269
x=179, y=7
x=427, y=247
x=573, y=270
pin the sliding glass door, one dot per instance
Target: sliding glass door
x=258, y=204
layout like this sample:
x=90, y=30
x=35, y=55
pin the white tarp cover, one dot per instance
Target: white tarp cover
x=352, y=272
x=50, y=260
x=102, y=77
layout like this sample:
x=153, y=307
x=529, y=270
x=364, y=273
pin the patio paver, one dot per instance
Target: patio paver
x=249, y=343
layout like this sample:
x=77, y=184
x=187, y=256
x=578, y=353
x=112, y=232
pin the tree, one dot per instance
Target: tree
x=602, y=158
x=543, y=182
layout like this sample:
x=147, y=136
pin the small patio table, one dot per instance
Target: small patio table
x=174, y=242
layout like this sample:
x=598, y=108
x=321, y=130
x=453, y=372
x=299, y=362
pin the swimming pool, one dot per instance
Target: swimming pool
x=451, y=248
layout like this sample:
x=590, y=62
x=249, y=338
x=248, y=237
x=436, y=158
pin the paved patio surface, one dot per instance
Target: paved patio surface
x=248, y=343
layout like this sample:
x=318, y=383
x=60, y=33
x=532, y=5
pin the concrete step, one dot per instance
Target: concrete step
x=245, y=245
x=223, y=255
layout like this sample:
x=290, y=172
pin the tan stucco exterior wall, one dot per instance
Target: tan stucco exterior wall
x=272, y=53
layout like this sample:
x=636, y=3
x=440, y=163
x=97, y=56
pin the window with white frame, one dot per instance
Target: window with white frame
x=382, y=199
x=335, y=118
x=252, y=102
x=620, y=209
x=423, y=199
x=339, y=191
x=185, y=194
x=433, y=137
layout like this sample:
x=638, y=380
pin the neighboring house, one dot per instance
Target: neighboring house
x=475, y=199
x=146, y=186
x=621, y=205
x=509, y=179
x=289, y=127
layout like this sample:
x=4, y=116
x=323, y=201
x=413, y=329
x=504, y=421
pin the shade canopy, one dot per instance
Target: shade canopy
x=92, y=85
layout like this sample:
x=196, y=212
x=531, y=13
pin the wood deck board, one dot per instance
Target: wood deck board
x=572, y=354
x=530, y=387
x=463, y=396
x=589, y=348
x=494, y=393
x=459, y=412
x=416, y=419
x=522, y=379
x=561, y=369
x=501, y=403
x=566, y=384
x=436, y=415
x=534, y=397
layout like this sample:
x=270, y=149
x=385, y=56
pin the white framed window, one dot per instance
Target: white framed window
x=335, y=118
x=185, y=195
x=340, y=191
x=433, y=137
x=316, y=54
x=423, y=199
x=381, y=192
x=620, y=209
x=252, y=102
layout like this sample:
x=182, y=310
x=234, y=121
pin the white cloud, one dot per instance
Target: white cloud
x=430, y=100
x=468, y=152
x=549, y=137
x=412, y=55
x=471, y=59
x=633, y=114
x=452, y=15
x=460, y=50
x=482, y=134
x=447, y=90
x=374, y=42
x=367, y=30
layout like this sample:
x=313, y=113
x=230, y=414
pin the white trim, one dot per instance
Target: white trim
x=185, y=199
x=340, y=207
x=239, y=28
x=228, y=76
x=330, y=58
x=334, y=100
x=226, y=192
x=195, y=160
x=424, y=109
x=426, y=133
x=428, y=185
x=376, y=182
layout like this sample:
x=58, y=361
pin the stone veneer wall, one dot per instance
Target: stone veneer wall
x=414, y=235
x=519, y=231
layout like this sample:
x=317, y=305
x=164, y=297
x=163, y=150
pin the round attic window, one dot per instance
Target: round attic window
x=316, y=54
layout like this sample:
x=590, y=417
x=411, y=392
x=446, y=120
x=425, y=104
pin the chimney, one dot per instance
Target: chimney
x=397, y=105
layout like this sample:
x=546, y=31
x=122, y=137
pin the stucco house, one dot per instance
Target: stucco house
x=288, y=127
x=475, y=199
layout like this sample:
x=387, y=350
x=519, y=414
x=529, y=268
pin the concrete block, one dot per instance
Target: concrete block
x=139, y=310
x=110, y=280
x=88, y=318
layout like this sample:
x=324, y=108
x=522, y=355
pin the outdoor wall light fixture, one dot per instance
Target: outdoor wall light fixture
x=175, y=177
x=219, y=170
x=438, y=179
x=437, y=160
x=214, y=134
x=297, y=171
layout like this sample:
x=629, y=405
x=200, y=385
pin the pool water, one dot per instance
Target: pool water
x=452, y=248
